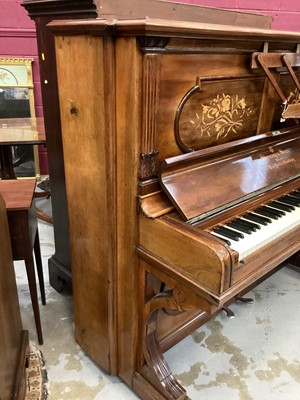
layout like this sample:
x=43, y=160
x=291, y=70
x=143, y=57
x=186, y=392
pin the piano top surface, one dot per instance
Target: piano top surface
x=155, y=27
x=204, y=182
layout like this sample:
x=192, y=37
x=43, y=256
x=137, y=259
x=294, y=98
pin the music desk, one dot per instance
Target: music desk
x=18, y=131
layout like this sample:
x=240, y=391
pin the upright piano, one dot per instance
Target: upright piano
x=182, y=150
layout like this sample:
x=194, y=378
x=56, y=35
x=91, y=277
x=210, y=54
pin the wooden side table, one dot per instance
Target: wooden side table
x=14, y=343
x=22, y=220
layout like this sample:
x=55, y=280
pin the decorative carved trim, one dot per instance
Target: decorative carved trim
x=148, y=165
x=150, y=102
x=38, y=8
x=152, y=42
x=156, y=368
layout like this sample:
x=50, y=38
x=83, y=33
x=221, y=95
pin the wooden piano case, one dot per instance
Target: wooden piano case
x=134, y=95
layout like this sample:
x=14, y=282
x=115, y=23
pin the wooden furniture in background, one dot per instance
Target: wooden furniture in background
x=21, y=131
x=18, y=131
x=19, y=199
x=42, y=12
x=14, y=343
x=151, y=90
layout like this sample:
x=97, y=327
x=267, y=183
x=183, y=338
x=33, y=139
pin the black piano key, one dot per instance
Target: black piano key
x=287, y=200
x=257, y=218
x=281, y=206
x=294, y=197
x=250, y=225
x=296, y=194
x=279, y=213
x=266, y=213
x=229, y=233
x=222, y=238
x=240, y=227
x=289, y=196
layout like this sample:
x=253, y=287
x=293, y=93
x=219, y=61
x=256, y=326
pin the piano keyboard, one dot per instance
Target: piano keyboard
x=261, y=226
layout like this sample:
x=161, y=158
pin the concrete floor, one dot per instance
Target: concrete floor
x=254, y=356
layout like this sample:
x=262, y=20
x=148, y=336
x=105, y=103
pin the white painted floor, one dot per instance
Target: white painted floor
x=254, y=356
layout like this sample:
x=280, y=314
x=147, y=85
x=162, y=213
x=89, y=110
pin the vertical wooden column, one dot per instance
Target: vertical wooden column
x=128, y=137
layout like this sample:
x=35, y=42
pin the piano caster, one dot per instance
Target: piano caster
x=229, y=313
x=246, y=300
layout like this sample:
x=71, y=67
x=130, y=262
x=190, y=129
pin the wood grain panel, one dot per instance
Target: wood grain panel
x=128, y=125
x=90, y=183
x=197, y=263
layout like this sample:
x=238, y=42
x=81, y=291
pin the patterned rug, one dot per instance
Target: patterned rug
x=36, y=376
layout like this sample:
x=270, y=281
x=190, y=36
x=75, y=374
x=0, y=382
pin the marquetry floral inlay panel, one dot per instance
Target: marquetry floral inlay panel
x=223, y=116
x=216, y=112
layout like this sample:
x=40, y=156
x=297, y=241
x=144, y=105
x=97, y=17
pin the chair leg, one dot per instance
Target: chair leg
x=39, y=266
x=33, y=294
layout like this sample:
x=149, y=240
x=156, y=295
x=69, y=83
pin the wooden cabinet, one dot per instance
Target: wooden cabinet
x=14, y=345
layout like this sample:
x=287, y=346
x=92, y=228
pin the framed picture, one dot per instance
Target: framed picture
x=17, y=101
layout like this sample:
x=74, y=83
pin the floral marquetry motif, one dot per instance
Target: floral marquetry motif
x=223, y=116
x=218, y=112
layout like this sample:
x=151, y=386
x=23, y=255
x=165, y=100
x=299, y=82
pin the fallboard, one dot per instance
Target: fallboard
x=204, y=182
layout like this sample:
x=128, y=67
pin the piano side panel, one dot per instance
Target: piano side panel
x=89, y=148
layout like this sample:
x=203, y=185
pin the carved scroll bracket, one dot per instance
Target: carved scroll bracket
x=156, y=368
x=148, y=165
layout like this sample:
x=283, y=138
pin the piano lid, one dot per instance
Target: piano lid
x=207, y=181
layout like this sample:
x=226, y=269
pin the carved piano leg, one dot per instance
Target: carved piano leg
x=157, y=368
x=161, y=294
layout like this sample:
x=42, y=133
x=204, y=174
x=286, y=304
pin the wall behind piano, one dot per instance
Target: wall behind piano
x=18, y=39
x=285, y=13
